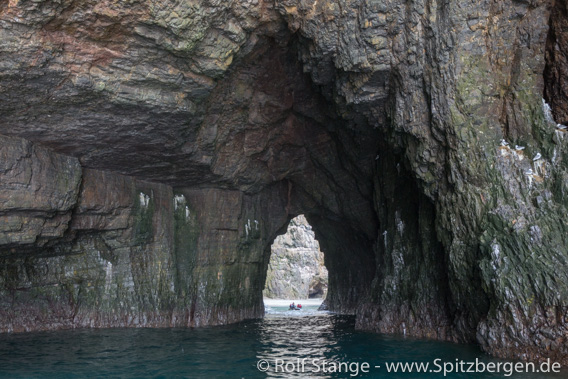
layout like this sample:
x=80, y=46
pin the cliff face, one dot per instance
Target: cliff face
x=556, y=70
x=154, y=150
x=88, y=248
x=296, y=268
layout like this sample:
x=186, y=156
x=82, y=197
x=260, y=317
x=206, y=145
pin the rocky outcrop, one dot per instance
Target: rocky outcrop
x=39, y=191
x=296, y=269
x=381, y=121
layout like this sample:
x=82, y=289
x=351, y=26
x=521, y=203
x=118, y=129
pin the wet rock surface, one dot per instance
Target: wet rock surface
x=145, y=139
x=296, y=269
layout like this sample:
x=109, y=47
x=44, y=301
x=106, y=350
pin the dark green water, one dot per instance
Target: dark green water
x=230, y=351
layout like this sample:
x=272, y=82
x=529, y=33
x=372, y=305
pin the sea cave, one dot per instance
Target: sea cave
x=151, y=152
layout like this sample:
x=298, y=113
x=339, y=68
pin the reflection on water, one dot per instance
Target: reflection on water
x=231, y=351
x=287, y=340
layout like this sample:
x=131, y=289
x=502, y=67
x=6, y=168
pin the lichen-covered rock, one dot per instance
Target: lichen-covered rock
x=296, y=269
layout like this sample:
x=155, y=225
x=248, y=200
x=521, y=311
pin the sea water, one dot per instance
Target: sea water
x=285, y=343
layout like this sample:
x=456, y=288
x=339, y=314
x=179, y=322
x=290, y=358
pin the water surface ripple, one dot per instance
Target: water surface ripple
x=228, y=351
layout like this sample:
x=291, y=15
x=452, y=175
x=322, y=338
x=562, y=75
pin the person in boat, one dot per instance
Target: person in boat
x=292, y=306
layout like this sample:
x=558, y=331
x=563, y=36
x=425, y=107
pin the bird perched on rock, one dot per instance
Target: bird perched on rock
x=529, y=172
x=537, y=157
x=504, y=143
x=517, y=147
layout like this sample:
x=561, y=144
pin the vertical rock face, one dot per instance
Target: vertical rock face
x=126, y=252
x=296, y=269
x=157, y=137
x=556, y=70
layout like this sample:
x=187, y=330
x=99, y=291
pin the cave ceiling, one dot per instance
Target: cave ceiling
x=216, y=99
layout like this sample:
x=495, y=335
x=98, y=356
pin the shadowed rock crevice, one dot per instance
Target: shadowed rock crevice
x=556, y=70
x=410, y=294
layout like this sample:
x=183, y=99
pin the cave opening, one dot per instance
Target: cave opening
x=296, y=269
x=148, y=161
x=279, y=136
x=274, y=139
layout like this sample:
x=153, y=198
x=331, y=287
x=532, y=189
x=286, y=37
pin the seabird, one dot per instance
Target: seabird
x=561, y=127
x=377, y=157
x=504, y=143
x=537, y=157
x=517, y=147
x=529, y=172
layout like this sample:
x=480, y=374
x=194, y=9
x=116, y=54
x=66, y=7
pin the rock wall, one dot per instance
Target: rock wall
x=556, y=70
x=88, y=248
x=296, y=269
x=412, y=135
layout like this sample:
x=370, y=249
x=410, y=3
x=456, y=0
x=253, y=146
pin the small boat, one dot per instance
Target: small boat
x=295, y=307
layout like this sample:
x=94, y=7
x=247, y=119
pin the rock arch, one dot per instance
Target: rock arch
x=139, y=142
